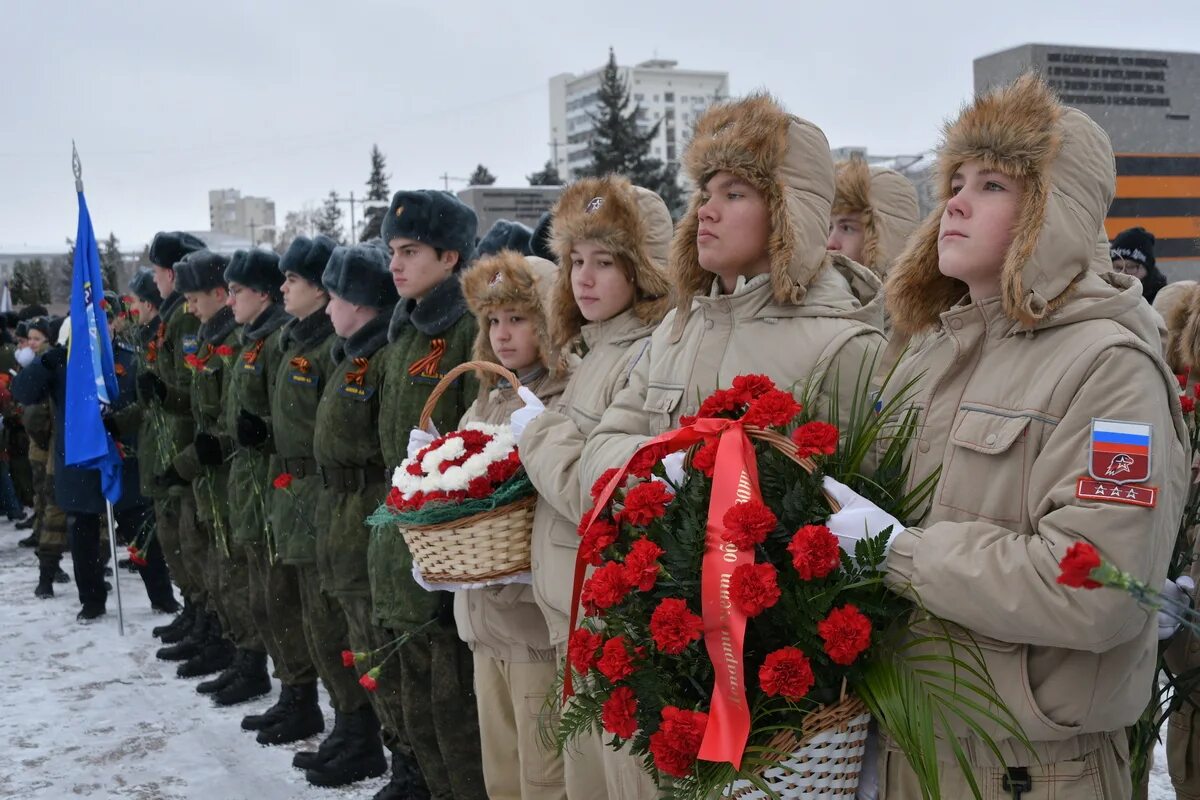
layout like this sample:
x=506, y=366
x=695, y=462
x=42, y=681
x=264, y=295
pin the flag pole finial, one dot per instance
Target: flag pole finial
x=77, y=167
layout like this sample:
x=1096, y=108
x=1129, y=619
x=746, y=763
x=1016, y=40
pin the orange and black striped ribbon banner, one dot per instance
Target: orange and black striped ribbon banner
x=1161, y=193
x=251, y=355
x=359, y=376
x=300, y=363
x=428, y=366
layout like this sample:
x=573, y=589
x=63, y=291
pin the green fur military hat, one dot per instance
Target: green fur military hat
x=359, y=274
x=143, y=288
x=504, y=235
x=308, y=257
x=201, y=271
x=257, y=270
x=435, y=218
x=169, y=248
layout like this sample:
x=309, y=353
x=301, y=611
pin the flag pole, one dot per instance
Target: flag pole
x=116, y=569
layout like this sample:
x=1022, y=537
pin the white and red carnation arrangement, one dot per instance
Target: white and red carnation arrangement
x=467, y=464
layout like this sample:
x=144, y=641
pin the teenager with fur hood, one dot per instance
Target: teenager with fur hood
x=756, y=290
x=612, y=241
x=998, y=282
x=515, y=664
x=874, y=212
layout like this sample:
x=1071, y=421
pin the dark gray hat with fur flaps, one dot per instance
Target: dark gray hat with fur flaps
x=435, y=218
x=143, y=287
x=359, y=274
x=257, y=270
x=504, y=235
x=169, y=248
x=308, y=257
x=201, y=271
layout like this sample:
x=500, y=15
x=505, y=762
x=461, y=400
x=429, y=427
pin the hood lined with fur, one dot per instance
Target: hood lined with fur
x=886, y=204
x=1066, y=161
x=629, y=222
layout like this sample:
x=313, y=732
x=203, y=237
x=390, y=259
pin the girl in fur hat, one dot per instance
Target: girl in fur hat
x=756, y=291
x=510, y=295
x=1030, y=365
x=875, y=210
x=612, y=240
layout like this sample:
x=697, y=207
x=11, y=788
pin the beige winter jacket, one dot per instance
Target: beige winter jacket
x=505, y=622
x=830, y=339
x=551, y=448
x=1007, y=391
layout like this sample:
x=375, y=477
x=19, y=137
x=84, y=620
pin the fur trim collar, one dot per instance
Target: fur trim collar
x=307, y=332
x=269, y=321
x=629, y=222
x=364, y=342
x=173, y=303
x=440, y=309
x=217, y=328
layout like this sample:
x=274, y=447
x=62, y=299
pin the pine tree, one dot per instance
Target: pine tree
x=111, y=262
x=329, y=219
x=377, y=191
x=548, y=176
x=620, y=146
x=481, y=177
x=30, y=283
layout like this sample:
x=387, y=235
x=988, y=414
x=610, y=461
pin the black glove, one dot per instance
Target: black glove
x=445, y=610
x=150, y=386
x=169, y=478
x=208, y=450
x=55, y=358
x=251, y=429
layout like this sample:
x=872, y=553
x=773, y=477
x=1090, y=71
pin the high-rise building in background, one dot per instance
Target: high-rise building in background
x=249, y=218
x=676, y=97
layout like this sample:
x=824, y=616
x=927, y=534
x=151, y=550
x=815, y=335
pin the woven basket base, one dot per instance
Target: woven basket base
x=483, y=547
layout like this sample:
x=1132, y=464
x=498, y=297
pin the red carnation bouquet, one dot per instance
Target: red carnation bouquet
x=726, y=633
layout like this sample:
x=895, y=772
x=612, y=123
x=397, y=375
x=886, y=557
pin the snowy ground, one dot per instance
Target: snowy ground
x=87, y=713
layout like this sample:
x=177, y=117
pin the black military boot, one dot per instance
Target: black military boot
x=227, y=676
x=256, y=722
x=359, y=757
x=45, y=584
x=302, y=720
x=29, y=541
x=189, y=646
x=311, y=759
x=27, y=523
x=60, y=576
x=406, y=783
x=179, y=629
x=252, y=680
x=215, y=654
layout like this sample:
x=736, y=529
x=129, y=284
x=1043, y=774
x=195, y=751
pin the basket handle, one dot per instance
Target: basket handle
x=452, y=375
x=788, y=448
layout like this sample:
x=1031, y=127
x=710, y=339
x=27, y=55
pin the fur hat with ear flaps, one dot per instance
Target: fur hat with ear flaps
x=1066, y=162
x=886, y=203
x=629, y=222
x=512, y=280
x=1179, y=305
x=786, y=159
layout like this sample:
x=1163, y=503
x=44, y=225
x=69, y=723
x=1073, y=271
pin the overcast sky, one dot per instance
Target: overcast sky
x=284, y=99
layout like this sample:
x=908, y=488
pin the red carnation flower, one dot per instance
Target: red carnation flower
x=677, y=741
x=705, y=459
x=773, y=409
x=748, y=524
x=369, y=681
x=618, y=712
x=754, y=588
x=615, y=662
x=581, y=649
x=786, y=672
x=138, y=560
x=815, y=552
x=1188, y=404
x=283, y=480
x=479, y=488
x=723, y=401
x=1077, y=566
x=645, y=503
x=225, y=351
x=753, y=386
x=643, y=461
x=641, y=564
x=605, y=588
x=673, y=626
x=847, y=633
x=815, y=439
x=603, y=480
x=395, y=499
x=1182, y=378
x=347, y=658
x=595, y=540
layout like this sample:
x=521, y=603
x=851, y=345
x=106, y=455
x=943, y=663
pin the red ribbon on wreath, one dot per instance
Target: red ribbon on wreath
x=735, y=480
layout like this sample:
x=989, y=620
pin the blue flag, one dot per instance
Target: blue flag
x=91, y=376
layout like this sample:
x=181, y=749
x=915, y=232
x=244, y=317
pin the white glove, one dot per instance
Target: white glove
x=1176, y=593
x=25, y=356
x=859, y=517
x=673, y=466
x=419, y=439
x=526, y=414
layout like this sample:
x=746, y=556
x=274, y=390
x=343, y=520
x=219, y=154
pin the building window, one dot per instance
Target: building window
x=670, y=152
x=639, y=97
x=656, y=98
x=669, y=97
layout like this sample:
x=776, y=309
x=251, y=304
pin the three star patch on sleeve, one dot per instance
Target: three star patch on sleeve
x=1119, y=464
